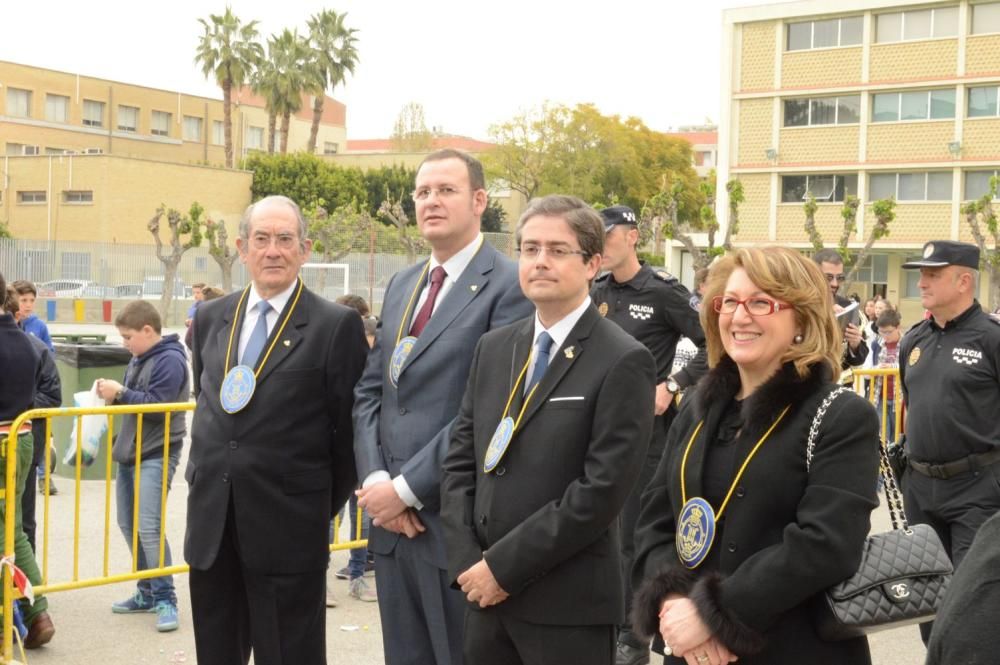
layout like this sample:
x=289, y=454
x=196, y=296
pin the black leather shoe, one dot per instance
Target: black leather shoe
x=630, y=655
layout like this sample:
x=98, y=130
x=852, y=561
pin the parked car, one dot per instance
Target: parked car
x=63, y=288
x=128, y=291
x=152, y=287
x=98, y=291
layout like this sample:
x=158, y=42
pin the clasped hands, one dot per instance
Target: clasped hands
x=388, y=511
x=479, y=585
x=688, y=637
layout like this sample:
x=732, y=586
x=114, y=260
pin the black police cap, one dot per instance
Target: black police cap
x=940, y=253
x=618, y=215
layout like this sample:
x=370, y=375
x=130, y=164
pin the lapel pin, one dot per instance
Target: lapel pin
x=473, y=287
x=569, y=352
x=287, y=343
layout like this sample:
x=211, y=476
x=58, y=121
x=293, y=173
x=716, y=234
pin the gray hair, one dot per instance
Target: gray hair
x=585, y=222
x=274, y=198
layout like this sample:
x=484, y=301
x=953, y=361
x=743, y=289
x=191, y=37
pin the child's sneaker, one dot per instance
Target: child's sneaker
x=166, y=616
x=359, y=589
x=137, y=603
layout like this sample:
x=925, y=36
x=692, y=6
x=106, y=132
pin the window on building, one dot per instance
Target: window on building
x=22, y=149
x=192, y=128
x=983, y=101
x=128, y=119
x=986, y=18
x=78, y=196
x=917, y=105
x=919, y=186
x=823, y=111
x=93, y=113
x=18, y=103
x=29, y=197
x=255, y=138
x=910, y=289
x=56, y=108
x=200, y=263
x=831, y=188
x=874, y=270
x=160, y=123
x=824, y=34
x=917, y=24
x=977, y=184
x=218, y=132
x=330, y=148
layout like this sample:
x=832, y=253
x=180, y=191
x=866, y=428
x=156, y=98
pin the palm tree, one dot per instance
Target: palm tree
x=290, y=56
x=228, y=50
x=265, y=82
x=333, y=56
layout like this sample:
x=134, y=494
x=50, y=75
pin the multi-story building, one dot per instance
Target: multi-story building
x=876, y=99
x=704, y=140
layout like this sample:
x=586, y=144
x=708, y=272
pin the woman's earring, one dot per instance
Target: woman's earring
x=798, y=339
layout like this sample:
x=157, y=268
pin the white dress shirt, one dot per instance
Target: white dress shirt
x=277, y=304
x=558, y=332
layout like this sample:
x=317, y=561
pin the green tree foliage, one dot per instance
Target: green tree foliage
x=393, y=183
x=982, y=220
x=333, y=54
x=5, y=231
x=306, y=179
x=228, y=52
x=410, y=133
x=494, y=217
x=290, y=53
x=184, y=232
x=579, y=151
x=220, y=250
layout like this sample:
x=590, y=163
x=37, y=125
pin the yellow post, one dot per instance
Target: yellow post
x=79, y=310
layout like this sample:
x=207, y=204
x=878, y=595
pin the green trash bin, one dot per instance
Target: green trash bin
x=79, y=366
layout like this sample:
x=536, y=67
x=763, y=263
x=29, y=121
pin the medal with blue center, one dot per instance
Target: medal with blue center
x=404, y=345
x=240, y=382
x=504, y=434
x=696, y=524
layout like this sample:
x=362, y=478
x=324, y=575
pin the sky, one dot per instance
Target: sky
x=470, y=64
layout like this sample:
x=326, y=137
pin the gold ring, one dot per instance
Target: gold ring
x=702, y=658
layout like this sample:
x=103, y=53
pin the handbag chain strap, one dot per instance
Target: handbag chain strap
x=893, y=497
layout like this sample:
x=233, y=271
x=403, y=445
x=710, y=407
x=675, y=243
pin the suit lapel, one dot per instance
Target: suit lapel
x=226, y=330
x=519, y=357
x=290, y=336
x=469, y=285
x=563, y=361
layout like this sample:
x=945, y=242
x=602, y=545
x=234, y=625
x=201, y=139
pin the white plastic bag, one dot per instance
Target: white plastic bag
x=91, y=430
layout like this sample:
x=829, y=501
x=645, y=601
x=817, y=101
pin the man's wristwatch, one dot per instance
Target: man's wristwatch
x=672, y=385
x=118, y=395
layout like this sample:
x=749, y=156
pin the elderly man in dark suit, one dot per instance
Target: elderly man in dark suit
x=547, y=446
x=274, y=368
x=432, y=317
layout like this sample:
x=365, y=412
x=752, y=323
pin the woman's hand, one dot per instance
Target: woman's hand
x=711, y=652
x=681, y=626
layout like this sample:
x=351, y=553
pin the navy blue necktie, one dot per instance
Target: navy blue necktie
x=544, y=345
x=258, y=337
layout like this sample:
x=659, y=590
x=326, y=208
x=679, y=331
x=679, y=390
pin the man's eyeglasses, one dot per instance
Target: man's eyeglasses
x=531, y=252
x=443, y=192
x=756, y=306
x=282, y=240
x=835, y=278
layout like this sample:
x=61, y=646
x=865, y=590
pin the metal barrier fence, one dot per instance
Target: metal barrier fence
x=871, y=384
x=9, y=451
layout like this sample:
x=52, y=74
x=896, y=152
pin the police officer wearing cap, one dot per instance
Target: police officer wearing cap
x=949, y=367
x=656, y=309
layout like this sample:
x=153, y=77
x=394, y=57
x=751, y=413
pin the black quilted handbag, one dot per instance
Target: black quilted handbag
x=903, y=576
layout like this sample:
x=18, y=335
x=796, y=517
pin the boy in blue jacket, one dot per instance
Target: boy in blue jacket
x=156, y=374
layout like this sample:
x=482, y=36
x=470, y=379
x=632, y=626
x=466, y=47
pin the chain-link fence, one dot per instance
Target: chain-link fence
x=105, y=270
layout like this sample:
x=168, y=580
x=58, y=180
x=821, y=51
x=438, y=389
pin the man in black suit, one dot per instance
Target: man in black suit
x=547, y=446
x=271, y=457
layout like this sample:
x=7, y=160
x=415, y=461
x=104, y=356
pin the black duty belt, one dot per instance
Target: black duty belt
x=950, y=469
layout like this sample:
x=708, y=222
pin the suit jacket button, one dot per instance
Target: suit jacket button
x=741, y=491
x=501, y=470
x=482, y=520
x=732, y=547
x=402, y=411
x=225, y=477
x=233, y=445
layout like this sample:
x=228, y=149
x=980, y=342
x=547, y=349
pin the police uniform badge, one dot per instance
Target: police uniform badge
x=695, y=532
x=399, y=356
x=928, y=250
x=602, y=309
x=914, y=356
x=237, y=389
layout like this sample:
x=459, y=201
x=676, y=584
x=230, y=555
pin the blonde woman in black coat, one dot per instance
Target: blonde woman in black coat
x=736, y=536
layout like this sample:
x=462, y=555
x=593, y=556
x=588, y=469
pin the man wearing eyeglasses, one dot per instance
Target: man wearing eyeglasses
x=656, y=309
x=832, y=265
x=548, y=444
x=432, y=317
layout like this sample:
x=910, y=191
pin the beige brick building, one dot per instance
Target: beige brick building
x=867, y=98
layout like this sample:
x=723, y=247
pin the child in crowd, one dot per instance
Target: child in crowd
x=888, y=358
x=31, y=324
x=156, y=374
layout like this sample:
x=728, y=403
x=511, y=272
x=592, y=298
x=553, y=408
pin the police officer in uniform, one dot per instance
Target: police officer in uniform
x=656, y=309
x=949, y=366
